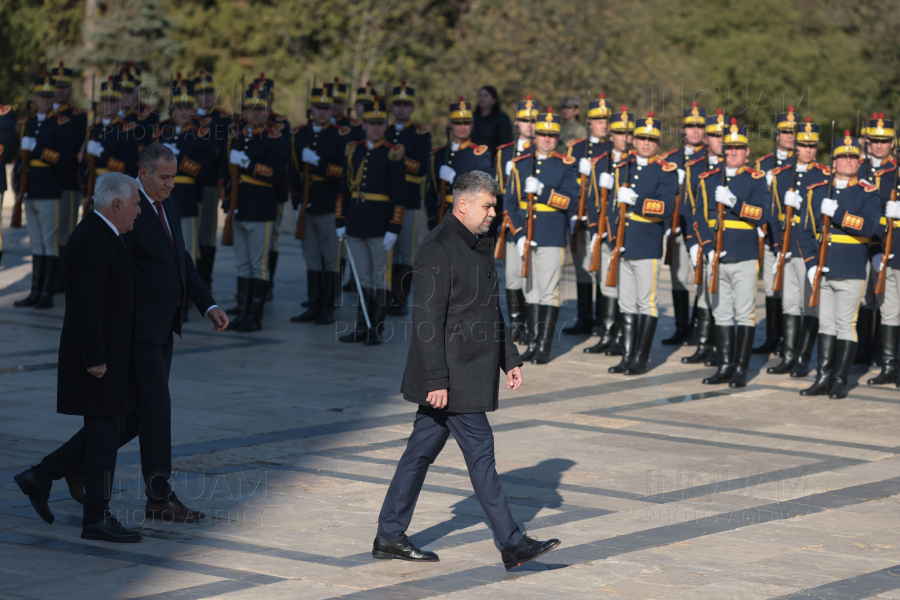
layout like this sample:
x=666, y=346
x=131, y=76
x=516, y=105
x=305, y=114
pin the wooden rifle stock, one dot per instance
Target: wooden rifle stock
x=87, y=205
x=720, y=241
x=676, y=219
x=823, y=257
x=581, y=209
x=23, y=188
x=762, y=243
x=612, y=275
x=698, y=270
x=500, y=249
x=526, y=255
x=228, y=230
x=442, y=203
x=300, y=231
x=886, y=255
x=778, y=284
x=601, y=229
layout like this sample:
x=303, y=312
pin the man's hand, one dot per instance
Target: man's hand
x=447, y=174
x=606, y=181
x=98, y=371
x=793, y=199
x=311, y=157
x=341, y=232
x=389, y=239
x=626, y=195
x=520, y=246
x=892, y=210
x=584, y=166
x=829, y=206
x=94, y=148
x=28, y=143
x=514, y=379
x=681, y=174
x=725, y=196
x=508, y=168
x=218, y=317
x=437, y=399
x=693, y=253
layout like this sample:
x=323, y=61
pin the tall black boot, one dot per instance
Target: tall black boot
x=725, y=347
x=401, y=283
x=205, y=266
x=239, y=313
x=608, y=319
x=618, y=345
x=360, y=330
x=865, y=329
x=326, y=308
x=51, y=264
x=791, y=325
x=743, y=349
x=705, y=337
x=253, y=322
x=638, y=366
x=37, y=282
x=773, y=314
x=584, y=322
x=824, y=375
x=531, y=319
x=314, y=295
x=59, y=285
x=808, y=337
x=890, y=336
x=844, y=352
x=681, y=301
x=380, y=303
x=628, y=327
x=270, y=281
x=875, y=356
x=547, y=316
x=599, y=304
x=515, y=306
x=693, y=337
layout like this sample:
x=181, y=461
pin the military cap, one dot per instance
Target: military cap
x=337, y=90
x=527, y=110
x=320, y=98
x=694, y=116
x=736, y=135
x=109, y=90
x=62, y=76
x=265, y=84
x=649, y=128
x=365, y=94
x=203, y=82
x=461, y=111
x=570, y=102
x=183, y=92
x=44, y=86
x=134, y=72
x=403, y=93
x=808, y=133
x=547, y=123
x=125, y=81
x=374, y=112
x=255, y=98
x=598, y=108
x=879, y=128
x=846, y=146
x=621, y=122
x=787, y=121
x=715, y=125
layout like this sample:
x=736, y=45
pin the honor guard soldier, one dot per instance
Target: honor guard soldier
x=590, y=166
x=692, y=148
x=526, y=114
x=363, y=95
x=317, y=148
x=338, y=92
x=880, y=169
x=258, y=152
x=744, y=197
x=8, y=145
x=458, y=157
x=800, y=324
x=550, y=178
x=416, y=140
x=854, y=211
x=646, y=189
x=217, y=122
x=110, y=146
x=144, y=116
x=370, y=215
x=572, y=129
x=47, y=142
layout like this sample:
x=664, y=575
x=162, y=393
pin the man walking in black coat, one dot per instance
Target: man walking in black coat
x=96, y=363
x=453, y=369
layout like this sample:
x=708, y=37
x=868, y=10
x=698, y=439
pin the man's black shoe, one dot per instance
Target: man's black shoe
x=38, y=494
x=404, y=549
x=110, y=530
x=527, y=549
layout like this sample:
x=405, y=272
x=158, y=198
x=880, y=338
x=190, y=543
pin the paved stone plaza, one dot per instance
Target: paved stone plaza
x=658, y=486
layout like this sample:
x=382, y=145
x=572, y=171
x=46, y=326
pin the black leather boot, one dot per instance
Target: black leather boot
x=890, y=335
x=379, y=303
x=360, y=330
x=253, y=322
x=824, y=375
x=725, y=348
x=599, y=303
x=681, y=301
x=584, y=322
x=547, y=316
x=705, y=337
x=205, y=268
x=531, y=318
x=791, y=325
x=808, y=336
x=607, y=320
x=693, y=337
x=37, y=282
x=326, y=308
x=618, y=345
x=844, y=352
x=51, y=264
x=638, y=366
x=773, y=315
x=515, y=306
x=628, y=327
x=270, y=280
x=743, y=349
x=239, y=313
x=401, y=282
x=865, y=331
x=314, y=295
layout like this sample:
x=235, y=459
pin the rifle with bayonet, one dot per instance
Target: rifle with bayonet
x=234, y=172
x=612, y=275
x=26, y=160
x=300, y=231
x=826, y=233
x=526, y=254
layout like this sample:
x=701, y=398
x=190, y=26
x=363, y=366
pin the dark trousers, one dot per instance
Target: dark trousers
x=152, y=422
x=93, y=451
x=476, y=440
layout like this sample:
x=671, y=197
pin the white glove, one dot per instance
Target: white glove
x=94, y=148
x=711, y=253
x=626, y=196
x=787, y=257
x=533, y=185
x=681, y=176
x=760, y=232
x=311, y=157
x=28, y=143
x=584, y=166
x=829, y=206
x=341, y=232
x=239, y=157
x=769, y=177
x=876, y=262
x=447, y=174
x=520, y=246
x=389, y=239
x=572, y=222
x=173, y=148
x=724, y=196
x=793, y=199
x=593, y=242
x=508, y=167
x=607, y=181
x=694, y=253
x=811, y=275
x=892, y=210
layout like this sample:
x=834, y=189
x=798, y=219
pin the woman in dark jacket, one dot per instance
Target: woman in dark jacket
x=492, y=127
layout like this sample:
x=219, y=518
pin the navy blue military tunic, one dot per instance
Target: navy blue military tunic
x=196, y=154
x=469, y=157
x=373, y=189
x=675, y=156
x=357, y=133
x=8, y=142
x=416, y=140
x=691, y=188
x=120, y=150
x=265, y=148
x=78, y=121
x=600, y=164
x=142, y=119
x=557, y=203
x=50, y=157
x=771, y=161
x=781, y=182
x=217, y=122
x=884, y=177
x=329, y=143
x=656, y=185
x=506, y=153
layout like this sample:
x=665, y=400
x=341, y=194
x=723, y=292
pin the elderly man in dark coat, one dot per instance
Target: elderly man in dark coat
x=96, y=358
x=453, y=369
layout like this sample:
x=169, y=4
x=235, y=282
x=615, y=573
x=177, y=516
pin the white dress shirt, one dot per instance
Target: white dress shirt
x=111, y=226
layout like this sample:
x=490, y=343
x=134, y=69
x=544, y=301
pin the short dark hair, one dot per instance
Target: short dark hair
x=469, y=184
x=152, y=154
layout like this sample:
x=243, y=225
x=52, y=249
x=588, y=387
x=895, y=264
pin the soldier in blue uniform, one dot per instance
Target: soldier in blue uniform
x=109, y=142
x=646, y=186
x=855, y=213
x=50, y=139
x=553, y=179
x=526, y=114
x=800, y=323
x=364, y=94
x=339, y=116
x=319, y=147
x=461, y=156
x=416, y=140
x=8, y=146
x=370, y=215
x=143, y=116
x=259, y=153
x=745, y=198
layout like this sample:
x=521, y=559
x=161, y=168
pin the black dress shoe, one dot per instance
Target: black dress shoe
x=527, y=549
x=404, y=549
x=38, y=494
x=110, y=530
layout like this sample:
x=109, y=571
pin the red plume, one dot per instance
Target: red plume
x=528, y=97
x=733, y=121
x=461, y=99
x=808, y=119
x=650, y=114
